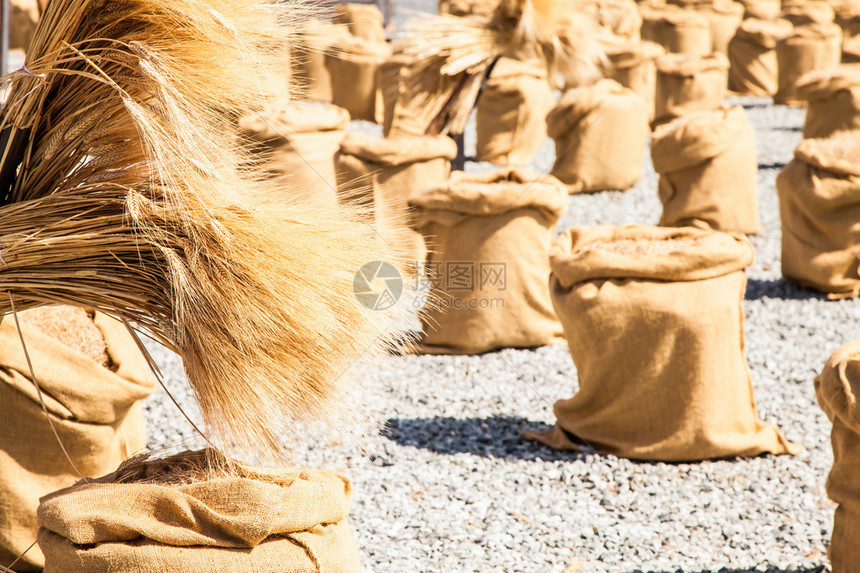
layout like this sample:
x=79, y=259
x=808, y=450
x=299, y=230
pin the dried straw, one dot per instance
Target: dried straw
x=130, y=199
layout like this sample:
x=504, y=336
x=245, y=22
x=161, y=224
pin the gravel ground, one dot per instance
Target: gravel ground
x=450, y=485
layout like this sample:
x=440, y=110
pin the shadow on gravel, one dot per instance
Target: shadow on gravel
x=819, y=569
x=781, y=289
x=763, y=166
x=496, y=437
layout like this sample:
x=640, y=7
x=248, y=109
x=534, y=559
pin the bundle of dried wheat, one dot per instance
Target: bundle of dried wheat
x=467, y=47
x=122, y=189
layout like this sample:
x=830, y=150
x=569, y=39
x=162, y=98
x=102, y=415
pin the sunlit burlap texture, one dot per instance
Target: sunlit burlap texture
x=689, y=83
x=297, y=144
x=724, y=17
x=683, y=32
x=95, y=410
x=169, y=516
x=634, y=66
x=511, y=112
x=488, y=238
x=353, y=65
x=807, y=48
x=707, y=167
x=819, y=206
x=838, y=389
x=380, y=174
x=601, y=136
x=362, y=20
x=833, y=100
x=311, y=78
x=752, y=56
x=654, y=324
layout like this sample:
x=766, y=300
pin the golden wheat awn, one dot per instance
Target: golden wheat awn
x=122, y=189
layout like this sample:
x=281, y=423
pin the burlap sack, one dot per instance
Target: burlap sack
x=802, y=12
x=807, y=48
x=353, y=64
x=174, y=516
x=752, y=56
x=848, y=17
x=851, y=51
x=688, y=83
x=362, y=20
x=92, y=377
x=683, y=32
x=488, y=237
x=601, y=135
x=819, y=206
x=833, y=100
x=24, y=17
x=654, y=324
x=380, y=174
x=511, y=112
x=634, y=66
x=838, y=389
x=311, y=78
x=725, y=18
x=762, y=9
x=296, y=144
x=707, y=167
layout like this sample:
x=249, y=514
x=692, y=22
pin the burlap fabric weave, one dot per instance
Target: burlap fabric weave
x=752, y=56
x=807, y=48
x=707, y=166
x=654, y=324
x=819, y=207
x=171, y=516
x=601, y=135
x=689, y=83
x=833, y=100
x=488, y=238
x=838, y=389
x=94, y=408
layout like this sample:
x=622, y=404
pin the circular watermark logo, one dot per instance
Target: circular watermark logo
x=378, y=285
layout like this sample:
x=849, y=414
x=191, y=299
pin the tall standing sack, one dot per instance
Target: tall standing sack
x=298, y=144
x=654, y=323
x=684, y=32
x=92, y=378
x=688, y=83
x=380, y=175
x=808, y=48
x=837, y=389
x=362, y=20
x=194, y=512
x=752, y=56
x=601, y=135
x=833, y=100
x=707, y=167
x=634, y=66
x=353, y=65
x=819, y=206
x=511, y=112
x=309, y=74
x=488, y=237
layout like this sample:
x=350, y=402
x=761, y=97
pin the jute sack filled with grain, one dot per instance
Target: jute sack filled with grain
x=762, y=9
x=353, y=64
x=297, y=144
x=802, y=12
x=380, y=174
x=707, y=167
x=654, y=324
x=362, y=20
x=837, y=389
x=683, y=32
x=310, y=76
x=488, y=237
x=634, y=66
x=511, y=112
x=724, y=17
x=752, y=56
x=689, y=83
x=92, y=378
x=601, y=135
x=193, y=512
x=805, y=49
x=833, y=100
x=819, y=206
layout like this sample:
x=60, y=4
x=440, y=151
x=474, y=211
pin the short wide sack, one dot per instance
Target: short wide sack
x=707, y=166
x=93, y=405
x=819, y=206
x=179, y=515
x=838, y=390
x=488, y=240
x=654, y=323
